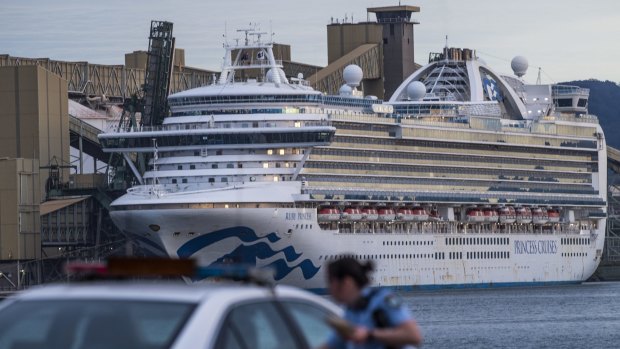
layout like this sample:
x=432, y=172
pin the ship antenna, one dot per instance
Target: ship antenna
x=271, y=30
x=225, y=34
x=155, y=158
x=538, y=80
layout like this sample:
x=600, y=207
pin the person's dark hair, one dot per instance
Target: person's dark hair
x=349, y=266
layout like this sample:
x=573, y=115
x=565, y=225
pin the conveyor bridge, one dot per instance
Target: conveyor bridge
x=116, y=82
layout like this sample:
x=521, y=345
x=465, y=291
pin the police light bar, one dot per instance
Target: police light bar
x=117, y=267
x=128, y=267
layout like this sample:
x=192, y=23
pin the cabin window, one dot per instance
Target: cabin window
x=564, y=102
x=184, y=180
x=174, y=181
x=192, y=167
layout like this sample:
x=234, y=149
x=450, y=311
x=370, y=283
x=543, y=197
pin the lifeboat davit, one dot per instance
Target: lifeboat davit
x=328, y=214
x=554, y=215
x=524, y=215
x=474, y=215
x=434, y=216
x=386, y=214
x=539, y=216
x=507, y=215
x=352, y=214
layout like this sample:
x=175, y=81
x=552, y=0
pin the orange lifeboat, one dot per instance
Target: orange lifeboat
x=539, y=216
x=352, y=214
x=553, y=215
x=386, y=214
x=328, y=214
x=420, y=214
x=507, y=215
x=524, y=215
x=370, y=214
x=474, y=215
x=404, y=214
x=490, y=215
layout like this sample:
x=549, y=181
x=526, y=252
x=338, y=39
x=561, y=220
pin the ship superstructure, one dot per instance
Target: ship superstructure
x=465, y=177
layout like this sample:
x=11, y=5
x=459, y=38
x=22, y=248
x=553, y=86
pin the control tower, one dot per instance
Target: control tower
x=392, y=31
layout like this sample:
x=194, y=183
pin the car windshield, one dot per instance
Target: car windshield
x=92, y=324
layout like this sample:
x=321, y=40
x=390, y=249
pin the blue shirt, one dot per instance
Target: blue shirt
x=383, y=300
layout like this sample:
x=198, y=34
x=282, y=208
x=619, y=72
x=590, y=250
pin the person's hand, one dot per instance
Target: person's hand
x=360, y=335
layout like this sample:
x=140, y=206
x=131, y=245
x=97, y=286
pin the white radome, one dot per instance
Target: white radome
x=352, y=75
x=345, y=90
x=416, y=90
x=519, y=65
x=270, y=77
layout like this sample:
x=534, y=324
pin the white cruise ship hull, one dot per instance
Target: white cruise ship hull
x=240, y=170
x=291, y=242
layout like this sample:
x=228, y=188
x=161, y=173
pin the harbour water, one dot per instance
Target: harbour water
x=571, y=316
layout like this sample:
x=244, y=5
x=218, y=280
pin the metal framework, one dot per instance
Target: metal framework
x=158, y=73
x=612, y=242
x=69, y=225
x=114, y=81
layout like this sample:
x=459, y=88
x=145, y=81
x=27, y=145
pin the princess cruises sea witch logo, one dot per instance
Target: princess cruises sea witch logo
x=249, y=250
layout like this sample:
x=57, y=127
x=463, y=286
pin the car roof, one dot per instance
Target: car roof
x=167, y=291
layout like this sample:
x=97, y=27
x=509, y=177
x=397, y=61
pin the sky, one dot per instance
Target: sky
x=567, y=39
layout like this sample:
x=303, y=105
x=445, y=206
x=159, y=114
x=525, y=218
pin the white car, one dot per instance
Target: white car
x=161, y=314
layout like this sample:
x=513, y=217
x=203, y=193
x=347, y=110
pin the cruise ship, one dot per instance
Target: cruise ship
x=464, y=178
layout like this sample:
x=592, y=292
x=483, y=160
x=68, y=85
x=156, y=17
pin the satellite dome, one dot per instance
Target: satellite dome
x=519, y=65
x=352, y=75
x=270, y=75
x=416, y=90
x=346, y=90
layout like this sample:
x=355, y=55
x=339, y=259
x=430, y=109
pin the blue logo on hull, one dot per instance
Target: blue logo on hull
x=252, y=249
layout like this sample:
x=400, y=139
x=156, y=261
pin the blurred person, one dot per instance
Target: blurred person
x=373, y=318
